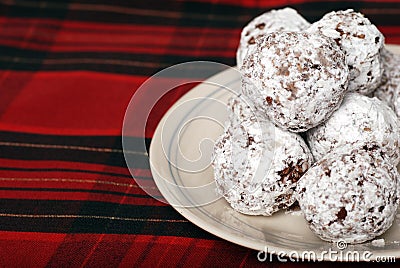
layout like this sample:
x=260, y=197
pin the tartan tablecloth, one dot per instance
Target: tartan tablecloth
x=67, y=72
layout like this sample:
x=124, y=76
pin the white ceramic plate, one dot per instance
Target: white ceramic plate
x=180, y=155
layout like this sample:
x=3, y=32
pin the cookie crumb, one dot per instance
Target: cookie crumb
x=378, y=242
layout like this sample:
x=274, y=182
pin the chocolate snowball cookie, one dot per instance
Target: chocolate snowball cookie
x=351, y=194
x=257, y=165
x=359, y=119
x=296, y=79
x=389, y=90
x=286, y=19
x=361, y=41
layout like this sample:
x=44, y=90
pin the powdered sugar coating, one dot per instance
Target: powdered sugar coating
x=257, y=165
x=389, y=91
x=286, y=19
x=378, y=242
x=361, y=41
x=351, y=194
x=359, y=119
x=296, y=79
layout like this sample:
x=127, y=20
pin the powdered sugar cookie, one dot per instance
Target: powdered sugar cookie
x=359, y=119
x=296, y=79
x=257, y=165
x=286, y=19
x=361, y=41
x=389, y=90
x=351, y=194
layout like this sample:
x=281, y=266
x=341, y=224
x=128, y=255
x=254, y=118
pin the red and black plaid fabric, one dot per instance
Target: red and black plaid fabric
x=67, y=72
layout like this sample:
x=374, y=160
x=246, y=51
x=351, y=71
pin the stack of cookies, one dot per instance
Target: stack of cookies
x=316, y=122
